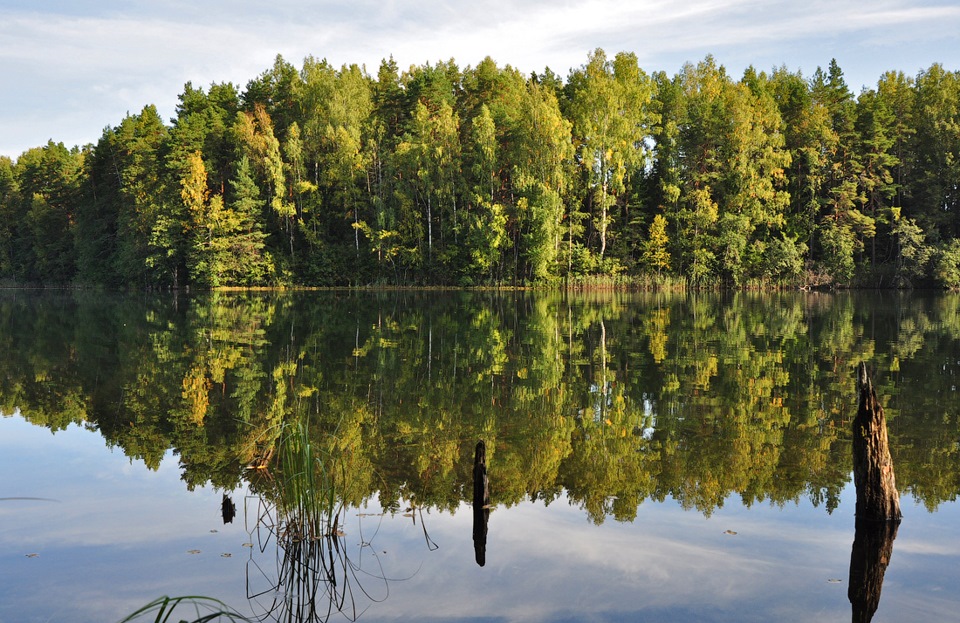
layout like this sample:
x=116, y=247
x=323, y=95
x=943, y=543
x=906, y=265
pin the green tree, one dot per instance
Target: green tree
x=875, y=128
x=8, y=210
x=655, y=254
x=136, y=151
x=227, y=241
x=254, y=134
x=609, y=108
x=429, y=158
x=247, y=261
x=809, y=138
x=485, y=217
x=541, y=155
x=947, y=265
x=204, y=125
x=843, y=226
x=731, y=197
x=913, y=253
x=48, y=184
x=936, y=152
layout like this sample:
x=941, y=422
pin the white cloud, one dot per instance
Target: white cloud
x=67, y=73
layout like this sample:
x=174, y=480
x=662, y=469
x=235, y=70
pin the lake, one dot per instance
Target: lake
x=647, y=457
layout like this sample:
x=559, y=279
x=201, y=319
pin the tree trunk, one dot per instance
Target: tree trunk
x=877, y=497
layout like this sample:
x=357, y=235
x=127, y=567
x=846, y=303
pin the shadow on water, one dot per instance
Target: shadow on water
x=228, y=510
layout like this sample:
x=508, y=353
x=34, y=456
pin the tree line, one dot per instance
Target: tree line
x=325, y=176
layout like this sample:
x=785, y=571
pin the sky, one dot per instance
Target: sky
x=70, y=68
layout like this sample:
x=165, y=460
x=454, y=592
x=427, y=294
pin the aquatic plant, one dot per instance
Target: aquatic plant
x=204, y=610
x=301, y=521
x=309, y=507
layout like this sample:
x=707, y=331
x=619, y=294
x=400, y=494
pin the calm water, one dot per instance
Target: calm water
x=650, y=457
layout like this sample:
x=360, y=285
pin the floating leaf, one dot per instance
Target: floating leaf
x=248, y=545
x=834, y=581
x=193, y=551
x=32, y=555
x=226, y=555
x=730, y=532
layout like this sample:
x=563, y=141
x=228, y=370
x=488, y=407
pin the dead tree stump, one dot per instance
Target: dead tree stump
x=877, y=497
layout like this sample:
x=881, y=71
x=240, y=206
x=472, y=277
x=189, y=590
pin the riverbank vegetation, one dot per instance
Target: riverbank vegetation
x=437, y=175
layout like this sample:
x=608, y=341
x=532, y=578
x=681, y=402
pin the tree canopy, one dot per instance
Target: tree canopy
x=441, y=175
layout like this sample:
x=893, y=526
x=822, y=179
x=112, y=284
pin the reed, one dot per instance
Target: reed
x=177, y=609
x=302, y=522
x=307, y=504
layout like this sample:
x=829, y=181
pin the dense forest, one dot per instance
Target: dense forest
x=445, y=176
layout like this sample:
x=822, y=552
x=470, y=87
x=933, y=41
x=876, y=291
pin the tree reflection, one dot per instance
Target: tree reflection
x=611, y=398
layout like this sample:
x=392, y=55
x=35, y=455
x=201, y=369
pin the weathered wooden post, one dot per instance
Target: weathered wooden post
x=481, y=503
x=878, y=503
x=877, y=497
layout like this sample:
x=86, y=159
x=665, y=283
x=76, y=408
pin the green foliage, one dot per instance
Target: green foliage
x=947, y=269
x=43, y=207
x=655, y=254
x=783, y=259
x=442, y=176
x=609, y=107
x=838, y=243
x=913, y=251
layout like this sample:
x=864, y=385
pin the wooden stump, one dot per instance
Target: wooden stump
x=877, y=497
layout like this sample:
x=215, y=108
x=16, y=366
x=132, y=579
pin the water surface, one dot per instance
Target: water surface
x=650, y=457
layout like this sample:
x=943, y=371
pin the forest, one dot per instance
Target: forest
x=486, y=176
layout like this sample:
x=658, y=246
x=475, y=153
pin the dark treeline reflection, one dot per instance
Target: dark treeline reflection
x=611, y=398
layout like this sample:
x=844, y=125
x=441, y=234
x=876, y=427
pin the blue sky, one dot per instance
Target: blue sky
x=70, y=68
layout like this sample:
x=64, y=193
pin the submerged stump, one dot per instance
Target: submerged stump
x=877, y=497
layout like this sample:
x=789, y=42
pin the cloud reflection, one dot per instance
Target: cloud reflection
x=121, y=532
